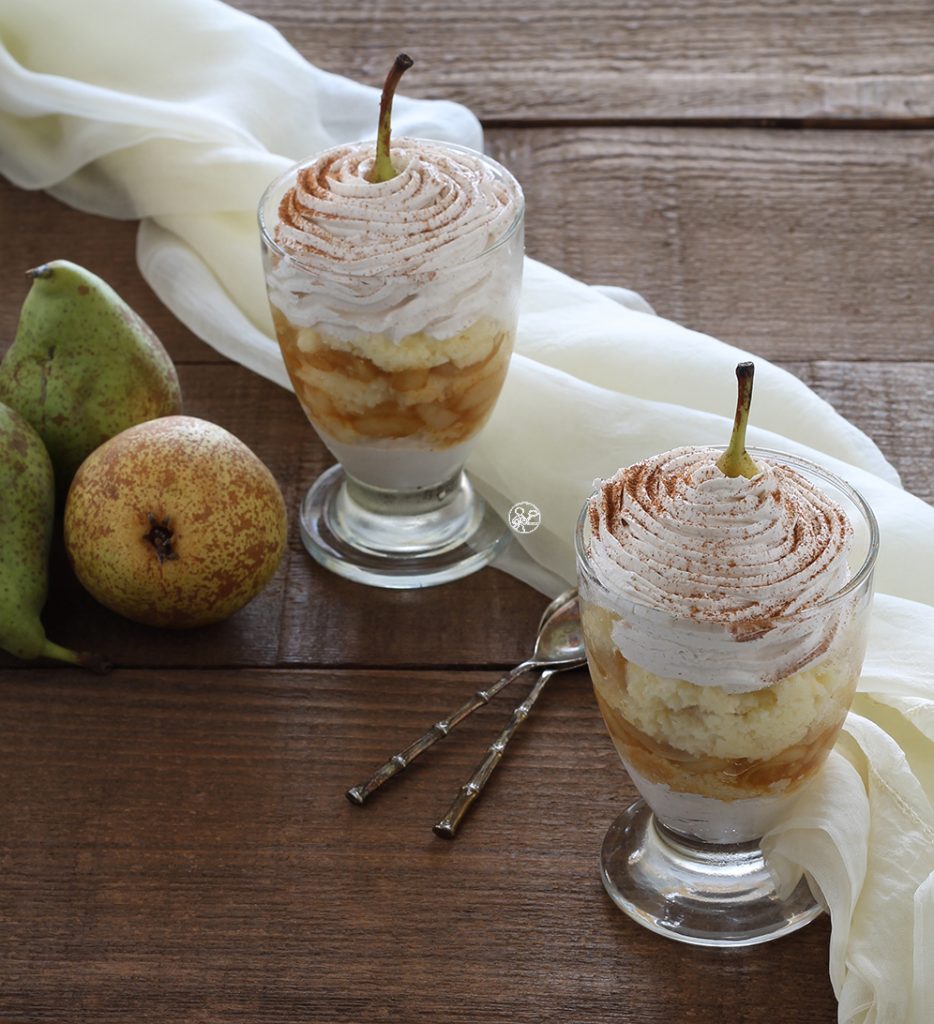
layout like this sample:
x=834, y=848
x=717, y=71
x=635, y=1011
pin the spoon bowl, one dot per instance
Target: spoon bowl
x=560, y=640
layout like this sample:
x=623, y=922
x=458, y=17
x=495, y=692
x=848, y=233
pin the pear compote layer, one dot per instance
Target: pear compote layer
x=722, y=673
x=370, y=388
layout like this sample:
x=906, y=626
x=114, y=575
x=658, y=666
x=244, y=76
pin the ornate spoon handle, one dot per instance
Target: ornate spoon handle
x=395, y=764
x=448, y=825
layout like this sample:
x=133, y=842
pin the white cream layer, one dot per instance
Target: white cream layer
x=717, y=580
x=395, y=467
x=711, y=820
x=398, y=257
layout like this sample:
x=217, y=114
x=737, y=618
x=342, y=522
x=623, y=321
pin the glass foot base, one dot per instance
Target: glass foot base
x=399, y=540
x=700, y=893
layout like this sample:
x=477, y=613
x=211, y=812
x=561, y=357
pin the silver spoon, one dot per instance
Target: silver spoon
x=446, y=828
x=557, y=646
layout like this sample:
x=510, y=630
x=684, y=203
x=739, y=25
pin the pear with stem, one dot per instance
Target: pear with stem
x=27, y=519
x=382, y=169
x=736, y=461
x=83, y=366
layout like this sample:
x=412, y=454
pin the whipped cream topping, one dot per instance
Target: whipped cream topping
x=400, y=256
x=717, y=580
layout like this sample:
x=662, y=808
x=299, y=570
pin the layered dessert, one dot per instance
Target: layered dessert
x=723, y=655
x=395, y=303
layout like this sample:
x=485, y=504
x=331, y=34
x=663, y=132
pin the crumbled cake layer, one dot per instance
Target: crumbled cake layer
x=713, y=742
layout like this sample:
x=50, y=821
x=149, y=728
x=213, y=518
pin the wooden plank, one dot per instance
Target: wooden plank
x=893, y=403
x=309, y=617
x=636, y=59
x=798, y=245
x=177, y=846
x=38, y=229
x=306, y=615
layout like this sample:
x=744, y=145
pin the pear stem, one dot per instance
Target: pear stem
x=382, y=169
x=93, y=662
x=735, y=461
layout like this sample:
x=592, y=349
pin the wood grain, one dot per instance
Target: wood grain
x=795, y=245
x=45, y=229
x=634, y=59
x=892, y=402
x=308, y=617
x=177, y=846
x=305, y=615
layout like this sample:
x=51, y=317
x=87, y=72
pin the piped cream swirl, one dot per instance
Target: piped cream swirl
x=394, y=257
x=718, y=580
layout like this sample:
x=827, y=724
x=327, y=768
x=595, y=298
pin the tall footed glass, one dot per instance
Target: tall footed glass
x=395, y=306
x=719, y=761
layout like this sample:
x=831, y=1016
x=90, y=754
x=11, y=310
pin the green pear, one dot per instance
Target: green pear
x=83, y=366
x=27, y=512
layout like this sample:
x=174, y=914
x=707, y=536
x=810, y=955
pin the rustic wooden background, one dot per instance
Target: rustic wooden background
x=175, y=844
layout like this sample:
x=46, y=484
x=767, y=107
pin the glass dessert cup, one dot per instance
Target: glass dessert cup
x=718, y=767
x=399, y=407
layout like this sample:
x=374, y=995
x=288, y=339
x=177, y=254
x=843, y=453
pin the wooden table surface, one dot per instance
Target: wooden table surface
x=175, y=843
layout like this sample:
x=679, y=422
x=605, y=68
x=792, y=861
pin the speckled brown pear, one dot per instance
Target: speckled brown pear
x=27, y=510
x=83, y=366
x=175, y=523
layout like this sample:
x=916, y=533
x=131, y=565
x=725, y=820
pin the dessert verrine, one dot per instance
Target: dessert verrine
x=722, y=658
x=395, y=303
x=393, y=272
x=724, y=601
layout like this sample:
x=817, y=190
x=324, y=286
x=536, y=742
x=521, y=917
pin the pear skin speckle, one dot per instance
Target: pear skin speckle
x=27, y=513
x=174, y=523
x=83, y=366
x=27, y=508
